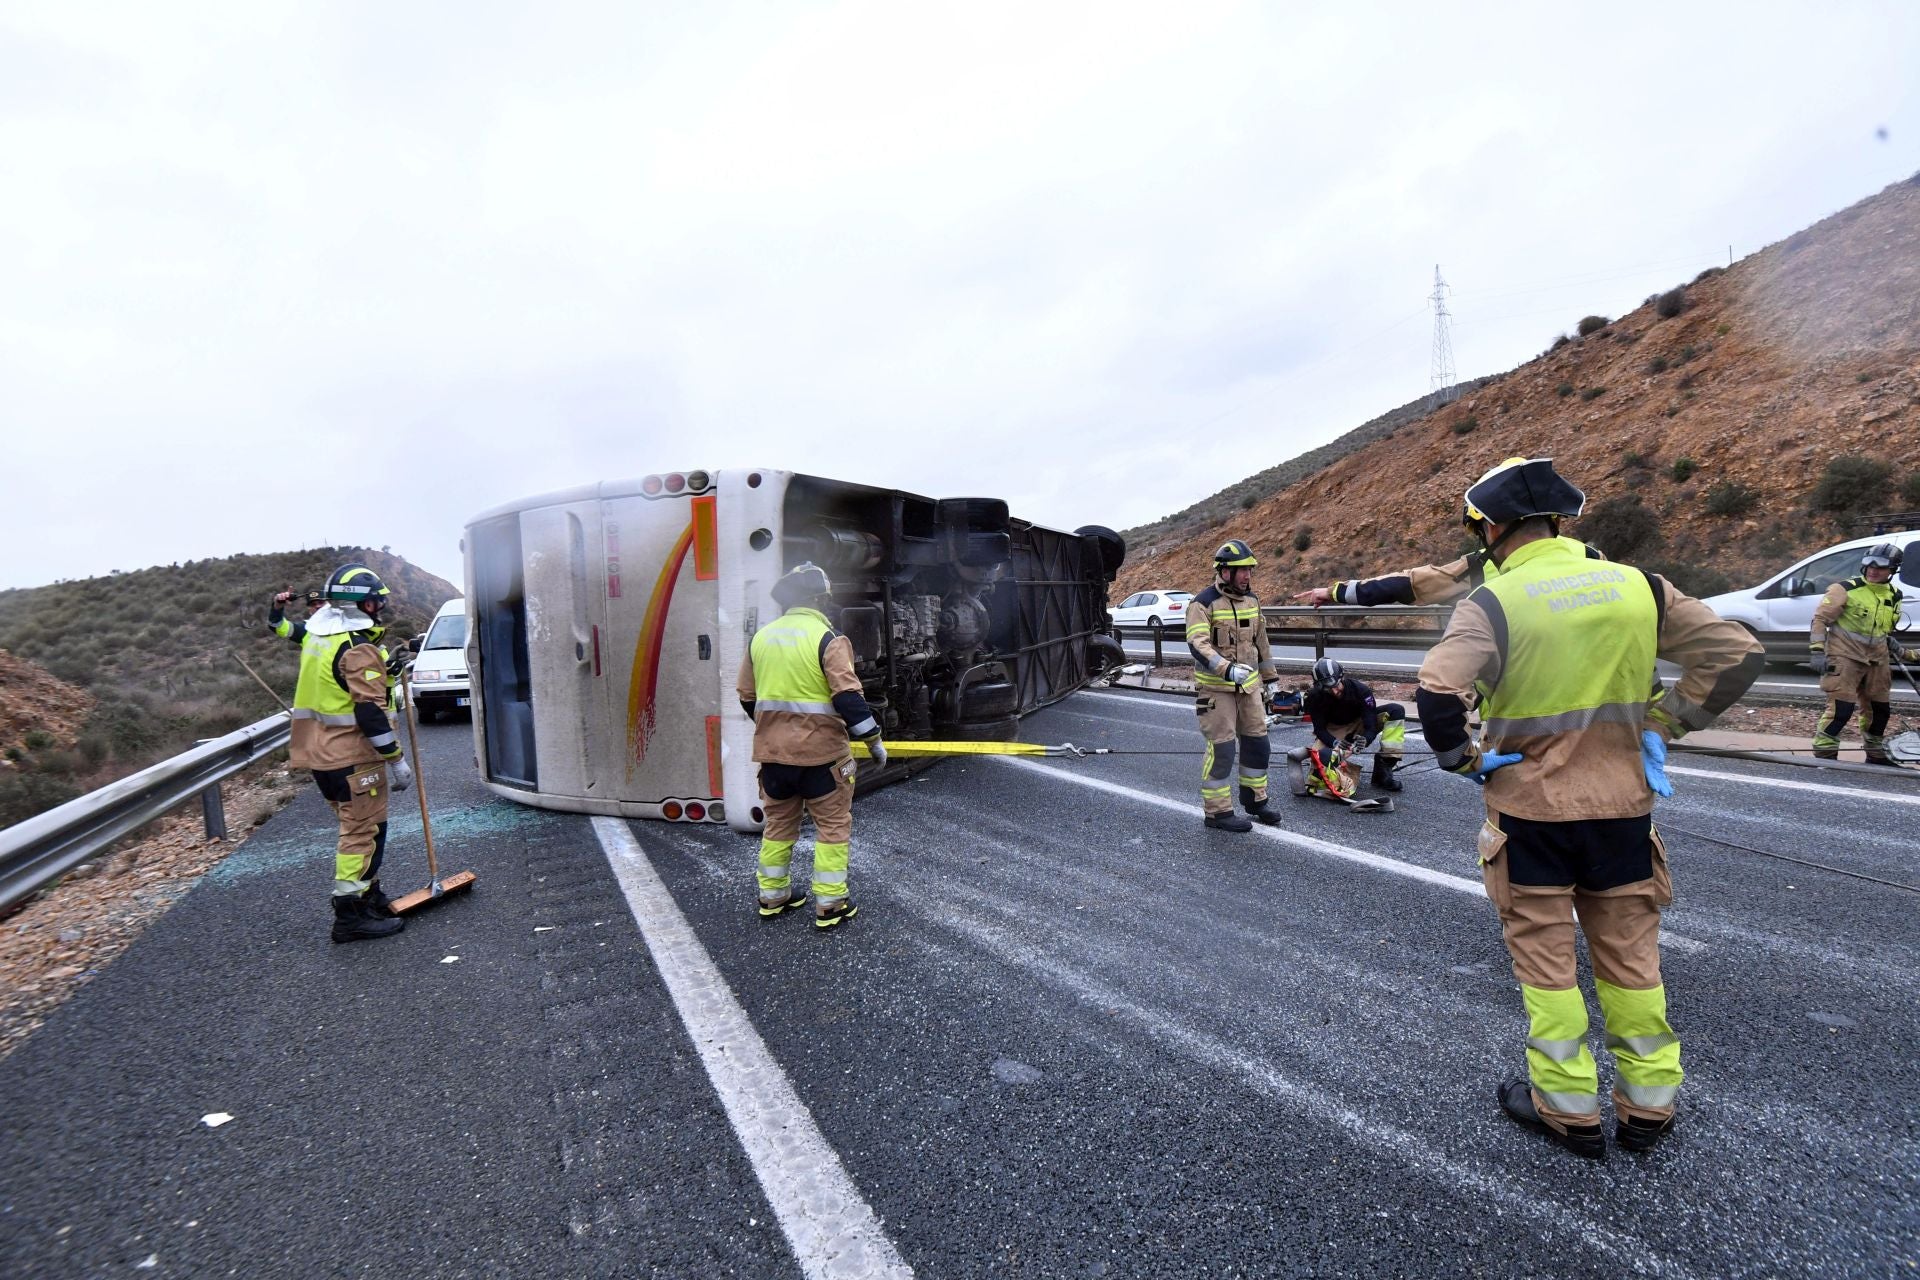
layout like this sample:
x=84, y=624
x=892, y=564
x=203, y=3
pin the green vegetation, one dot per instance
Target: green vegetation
x=1591, y=324
x=1851, y=485
x=1730, y=498
x=1592, y=393
x=1564, y=389
x=1303, y=537
x=1910, y=492
x=1621, y=527
x=1682, y=470
x=1671, y=303
x=1657, y=365
x=1463, y=426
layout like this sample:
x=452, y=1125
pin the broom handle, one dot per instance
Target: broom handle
x=419, y=772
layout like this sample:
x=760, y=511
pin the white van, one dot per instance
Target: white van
x=440, y=668
x=1779, y=611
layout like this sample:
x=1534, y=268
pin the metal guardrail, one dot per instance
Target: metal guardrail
x=50, y=844
x=1324, y=629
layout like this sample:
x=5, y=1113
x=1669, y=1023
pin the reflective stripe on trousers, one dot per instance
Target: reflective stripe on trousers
x=1645, y=1049
x=1558, y=1064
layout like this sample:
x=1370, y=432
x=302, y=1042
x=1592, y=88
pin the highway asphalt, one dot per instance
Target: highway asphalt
x=1071, y=1033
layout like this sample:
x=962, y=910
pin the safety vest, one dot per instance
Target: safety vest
x=1581, y=637
x=1873, y=610
x=787, y=674
x=1483, y=567
x=1229, y=624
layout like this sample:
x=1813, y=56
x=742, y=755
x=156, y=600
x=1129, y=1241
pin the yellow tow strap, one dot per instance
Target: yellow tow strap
x=978, y=749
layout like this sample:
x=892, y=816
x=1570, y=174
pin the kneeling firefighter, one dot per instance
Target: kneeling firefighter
x=1852, y=645
x=341, y=732
x=1344, y=714
x=1233, y=669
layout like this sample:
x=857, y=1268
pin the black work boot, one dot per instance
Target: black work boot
x=1636, y=1134
x=1516, y=1099
x=1260, y=810
x=1383, y=767
x=1826, y=753
x=1229, y=821
x=354, y=921
x=379, y=905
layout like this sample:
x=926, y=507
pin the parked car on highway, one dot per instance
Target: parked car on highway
x=440, y=671
x=1780, y=610
x=1152, y=609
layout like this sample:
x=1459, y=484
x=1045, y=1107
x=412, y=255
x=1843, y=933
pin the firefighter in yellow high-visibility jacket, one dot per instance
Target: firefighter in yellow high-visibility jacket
x=798, y=686
x=1558, y=653
x=1852, y=643
x=1234, y=672
x=341, y=732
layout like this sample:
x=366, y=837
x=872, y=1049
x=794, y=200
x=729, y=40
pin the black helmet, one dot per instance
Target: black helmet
x=315, y=596
x=803, y=584
x=1886, y=554
x=1327, y=672
x=1234, y=555
x=1518, y=488
x=354, y=583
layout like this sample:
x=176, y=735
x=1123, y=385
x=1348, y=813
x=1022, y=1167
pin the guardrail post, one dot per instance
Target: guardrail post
x=214, y=812
x=1159, y=631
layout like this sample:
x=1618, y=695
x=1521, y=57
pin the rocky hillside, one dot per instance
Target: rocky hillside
x=1722, y=428
x=37, y=709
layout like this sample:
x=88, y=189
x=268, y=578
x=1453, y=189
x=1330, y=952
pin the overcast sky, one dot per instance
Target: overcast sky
x=275, y=275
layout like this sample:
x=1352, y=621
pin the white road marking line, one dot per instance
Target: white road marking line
x=1787, y=784
x=831, y=1227
x=1377, y=861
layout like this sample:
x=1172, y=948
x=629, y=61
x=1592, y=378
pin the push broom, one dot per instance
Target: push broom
x=436, y=887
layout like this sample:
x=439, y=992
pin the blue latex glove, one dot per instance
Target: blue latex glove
x=1488, y=764
x=1653, y=761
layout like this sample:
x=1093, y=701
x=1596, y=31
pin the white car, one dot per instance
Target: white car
x=440, y=668
x=1780, y=610
x=1153, y=609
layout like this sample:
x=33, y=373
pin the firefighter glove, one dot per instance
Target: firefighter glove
x=399, y=773
x=1487, y=764
x=1243, y=677
x=1653, y=762
x=877, y=750
x=1819, y=659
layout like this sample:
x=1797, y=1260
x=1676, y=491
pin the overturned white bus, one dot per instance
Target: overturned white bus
x=609, y=621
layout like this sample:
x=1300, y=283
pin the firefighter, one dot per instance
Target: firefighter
x=1234, y=671
x=798, y=687
x=1558, y=650
x=1853, y=647
x=341, y=732
x=1344, y=714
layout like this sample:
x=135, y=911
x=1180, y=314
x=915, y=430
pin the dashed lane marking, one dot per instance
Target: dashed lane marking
x=831, y=1227
x=1377, y=861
